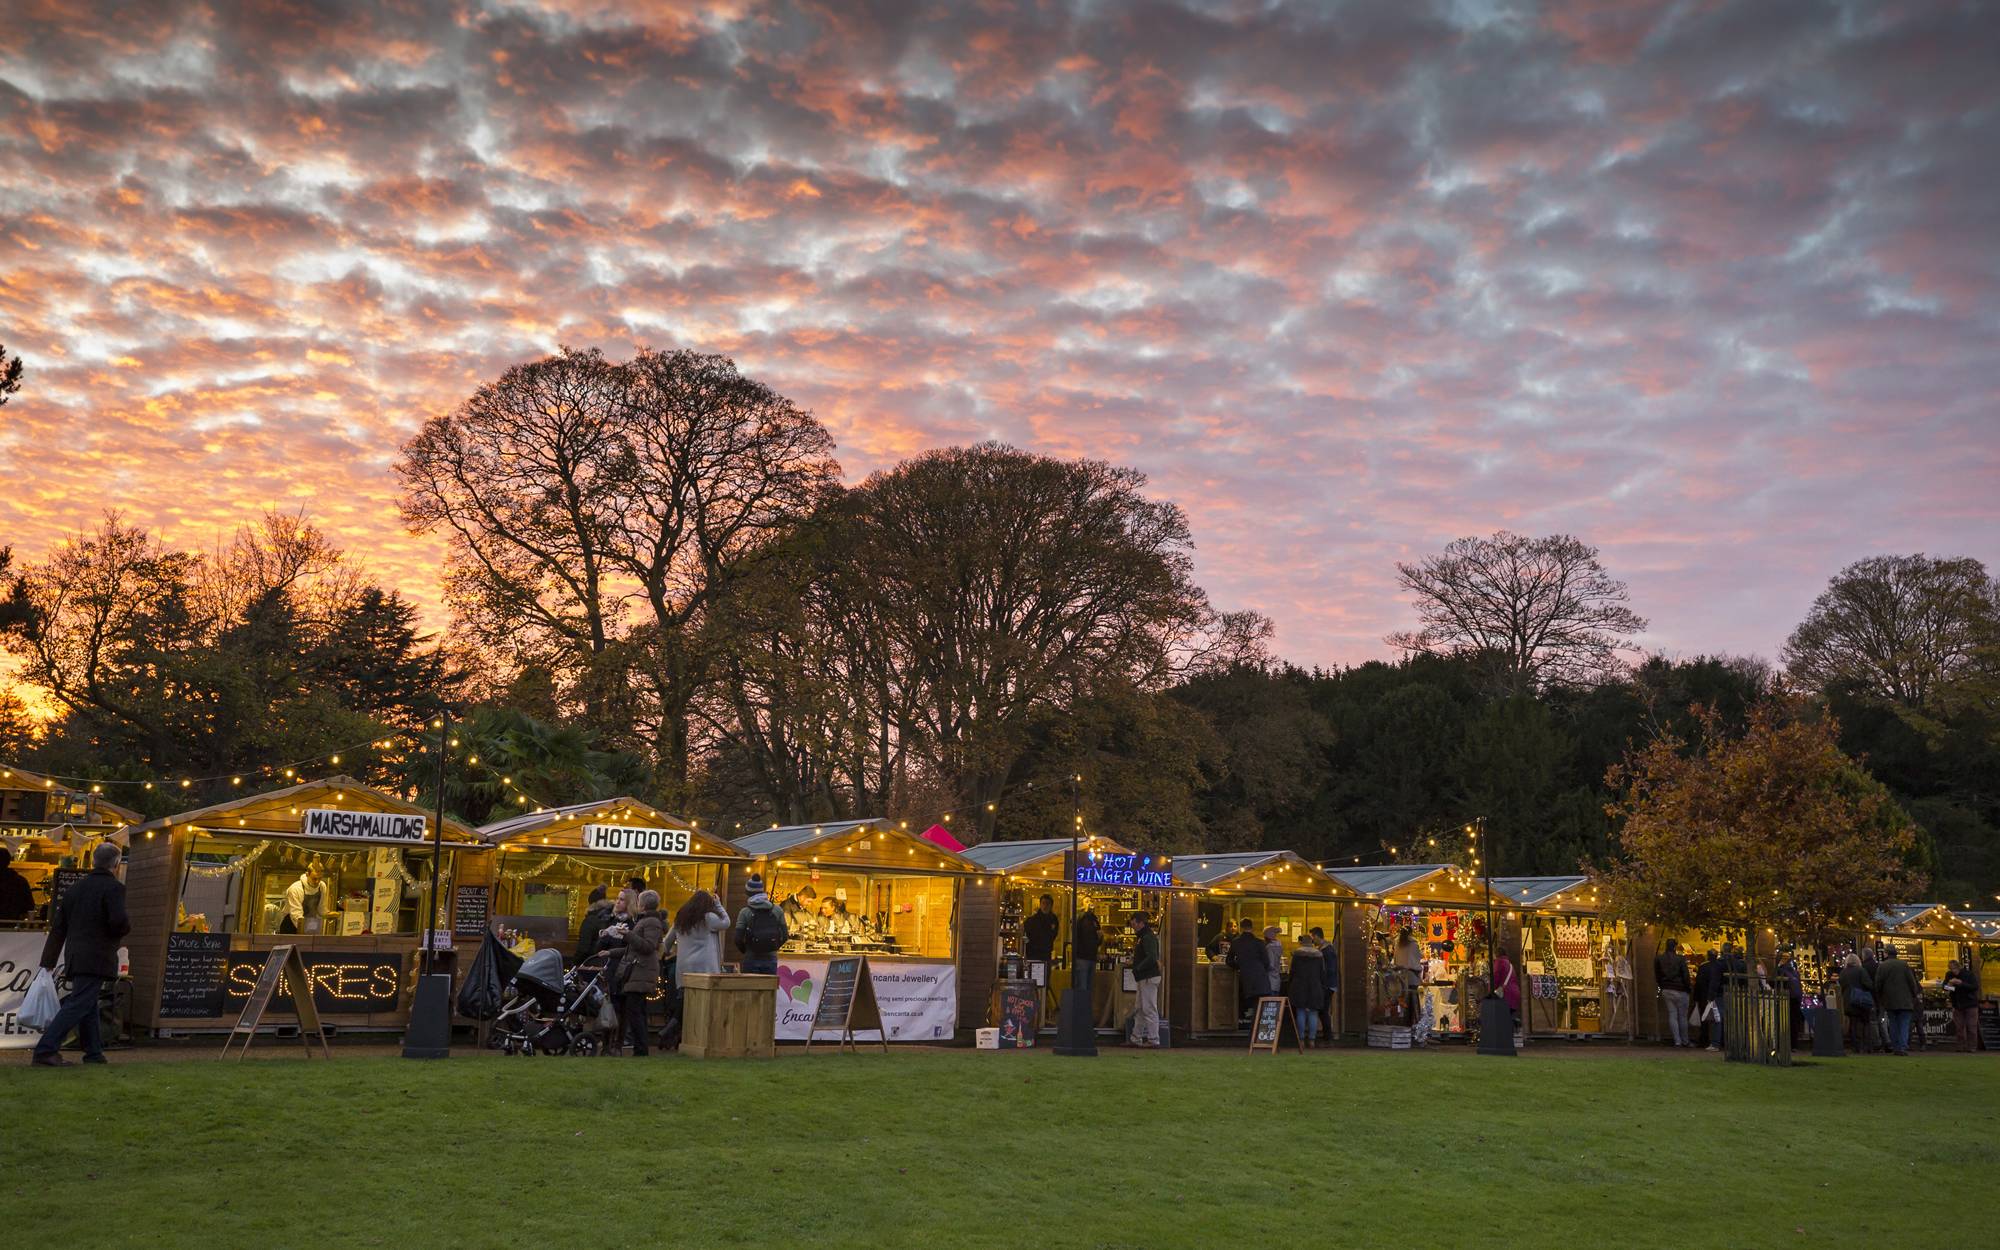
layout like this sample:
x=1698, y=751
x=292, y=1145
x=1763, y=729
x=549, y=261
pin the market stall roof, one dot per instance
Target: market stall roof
x=845, y=836
x=1404, y=883
x=1008, y=856
x=1260, y=872
x=1911, y=917
x=264, y=813
x=1985, y=923
x=1535, y=891
x=547, y=820
x=13, y=777
x=942, y=837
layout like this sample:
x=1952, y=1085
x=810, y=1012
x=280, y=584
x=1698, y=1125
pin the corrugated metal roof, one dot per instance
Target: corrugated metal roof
x=1386, y=878
x=1007, y=856
x=1900, y=914
x=1295, y=874
x=1532, y=891
x=528, y=821
x=785, y=838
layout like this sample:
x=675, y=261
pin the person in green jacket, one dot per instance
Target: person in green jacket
x=1896, y=995
x=1146, y=975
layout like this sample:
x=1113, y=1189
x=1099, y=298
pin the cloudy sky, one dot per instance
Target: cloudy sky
x=1714, y=285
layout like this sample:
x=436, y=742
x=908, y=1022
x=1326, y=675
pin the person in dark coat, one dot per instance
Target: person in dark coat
x=1330, y=959
x=595, y=917
x=1857, y=1000
x=1670, y=973
x=1307, y=990
x=639, y=976
x=1897, y=996
x=1707, y=990
x=1084, y=946
x=88, y=924
x=1039, y=931
x=1962, y=980
x=1252, y=961
x=17, y=899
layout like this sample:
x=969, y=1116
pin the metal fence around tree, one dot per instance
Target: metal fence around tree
x=1756, y=1022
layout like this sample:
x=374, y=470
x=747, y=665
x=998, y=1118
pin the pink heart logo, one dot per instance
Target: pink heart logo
x=795, y=982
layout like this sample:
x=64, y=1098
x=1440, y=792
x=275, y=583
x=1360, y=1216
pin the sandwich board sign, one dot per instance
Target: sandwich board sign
x=847, y=1004
x=283, y=961
x=1267, y=1026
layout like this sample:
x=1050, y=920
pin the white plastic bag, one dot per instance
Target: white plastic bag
x=38, y=1010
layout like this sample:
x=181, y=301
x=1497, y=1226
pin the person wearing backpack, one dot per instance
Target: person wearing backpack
x=760, y=930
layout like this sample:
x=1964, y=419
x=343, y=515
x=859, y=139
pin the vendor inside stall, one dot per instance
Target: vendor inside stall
x=1928, y=937
x=1424, y=943
x=1577, y=976
x=1270, y=890
x=553, y=860
x=48, y=829
x=865, y=887
x=1111, y=884
x=341, y=870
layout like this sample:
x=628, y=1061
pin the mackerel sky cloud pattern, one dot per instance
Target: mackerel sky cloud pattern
x=1715, y=285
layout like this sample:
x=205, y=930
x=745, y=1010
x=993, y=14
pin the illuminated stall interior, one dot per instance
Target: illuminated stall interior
x=1030, y=869
x=1927, y=936
x=1266, y=888
x=861, y=885
x=551, y=859
x=1575, y=966
x=1444, y=908
x=238, y=859
x=334, y=867
x=48, y=825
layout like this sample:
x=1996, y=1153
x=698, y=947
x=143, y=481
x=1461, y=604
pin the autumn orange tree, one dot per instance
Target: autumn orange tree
x=1774, y=828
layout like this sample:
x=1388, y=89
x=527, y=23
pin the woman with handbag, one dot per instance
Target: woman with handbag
x=639, y=973
x=1857, y=998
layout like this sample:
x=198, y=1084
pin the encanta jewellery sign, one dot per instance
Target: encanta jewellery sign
x=633, y=840
x=323, y=822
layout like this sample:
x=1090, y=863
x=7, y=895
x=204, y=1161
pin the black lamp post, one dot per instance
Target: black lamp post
x=1075, y=1032
x=429, y=1034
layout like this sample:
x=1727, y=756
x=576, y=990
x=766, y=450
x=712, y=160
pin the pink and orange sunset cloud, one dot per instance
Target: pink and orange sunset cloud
x=1714, y=285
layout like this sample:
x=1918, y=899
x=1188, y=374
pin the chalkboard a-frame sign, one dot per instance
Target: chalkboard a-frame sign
x=1267, y=1025
x=847, y=1003
x=283, y=961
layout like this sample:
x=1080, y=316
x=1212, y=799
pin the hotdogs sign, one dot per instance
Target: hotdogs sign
x=634, y=840
x=324, y=822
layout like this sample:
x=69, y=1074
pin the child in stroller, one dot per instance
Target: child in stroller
x=550, y=1011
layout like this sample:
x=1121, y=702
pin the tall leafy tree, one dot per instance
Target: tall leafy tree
x=10, y=375
x=1902, y=628
x=1773, y=828
x=1542, y=611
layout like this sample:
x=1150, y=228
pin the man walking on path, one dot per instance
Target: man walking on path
x=1670, y=970
x=88, y=924
x=1896, y=995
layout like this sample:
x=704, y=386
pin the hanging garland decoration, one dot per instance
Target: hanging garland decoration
x=236, y=863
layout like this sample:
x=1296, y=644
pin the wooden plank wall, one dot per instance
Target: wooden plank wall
x=978, y=949
x=152, y=901
x=1179, y=940
x=1353, y=971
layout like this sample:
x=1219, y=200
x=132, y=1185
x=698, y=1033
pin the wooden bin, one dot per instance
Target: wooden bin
x=729, y=1015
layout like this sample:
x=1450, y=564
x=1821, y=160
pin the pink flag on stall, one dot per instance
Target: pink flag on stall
x=942, y=837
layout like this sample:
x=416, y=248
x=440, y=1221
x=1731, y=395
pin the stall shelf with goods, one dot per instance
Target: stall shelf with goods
x=872, y=887
x=549, y=860
x=1577, y=970
x=50, y=828
x=1432, y=983
x=1112, y=883
x=1268, y=888
x=339, y=869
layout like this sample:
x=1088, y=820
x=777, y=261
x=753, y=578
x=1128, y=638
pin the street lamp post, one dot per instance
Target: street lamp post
x=1075, y=1033
x=1496, y=1023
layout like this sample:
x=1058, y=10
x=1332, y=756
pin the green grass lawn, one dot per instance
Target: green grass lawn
x=946, y=1149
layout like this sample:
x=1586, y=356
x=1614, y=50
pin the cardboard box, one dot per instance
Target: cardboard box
x=353, y=922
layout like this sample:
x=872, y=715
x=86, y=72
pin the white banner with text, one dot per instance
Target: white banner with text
x=919, y=1001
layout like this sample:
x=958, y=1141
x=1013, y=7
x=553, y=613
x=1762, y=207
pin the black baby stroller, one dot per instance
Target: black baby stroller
x=551, y=1012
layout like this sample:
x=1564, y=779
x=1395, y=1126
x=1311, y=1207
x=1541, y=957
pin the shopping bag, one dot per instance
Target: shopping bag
x=607, y=1016
x=38, y=1011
